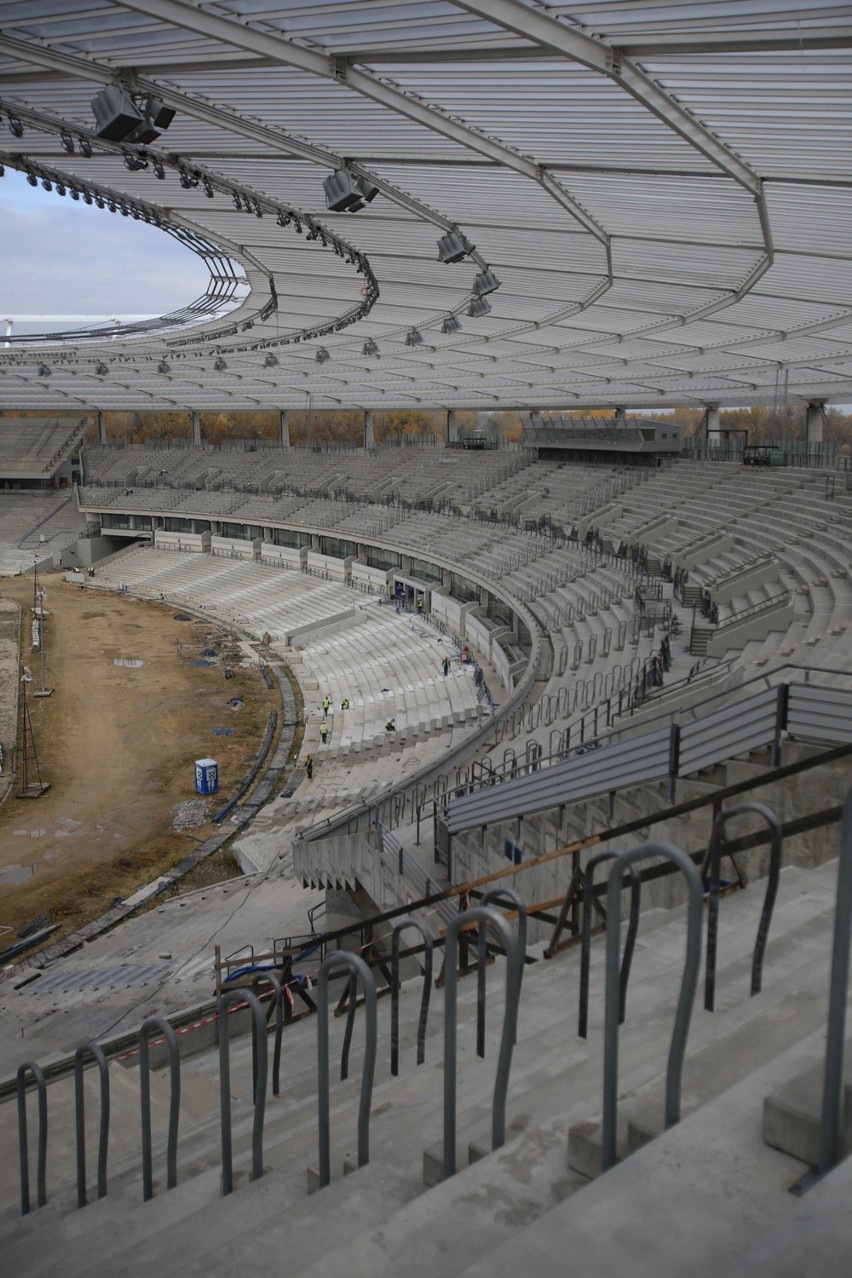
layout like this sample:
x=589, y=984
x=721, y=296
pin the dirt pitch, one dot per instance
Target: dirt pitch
x=117, y=743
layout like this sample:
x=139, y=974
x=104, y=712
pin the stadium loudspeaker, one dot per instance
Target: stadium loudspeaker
x=116, y=114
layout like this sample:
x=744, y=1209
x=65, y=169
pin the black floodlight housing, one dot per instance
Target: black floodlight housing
x=368, y=189
x=453, y=246
x=478, y=306
x=101, y=370
x=414, y=338
x=451, y=324
x=322, y=355
x=158, y=113
x=271, y=361
x=220, y=365
x=485, y=282
x=369, y=347
x=163, y=367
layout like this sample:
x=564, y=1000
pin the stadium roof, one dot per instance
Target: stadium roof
x=661, y=190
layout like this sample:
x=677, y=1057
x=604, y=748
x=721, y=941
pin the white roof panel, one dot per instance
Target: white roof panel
x=661, y=189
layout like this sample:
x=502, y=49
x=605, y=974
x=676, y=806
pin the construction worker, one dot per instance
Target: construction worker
x=309, y=767
x=324, y=732
x=390, y=726
x=446, y=666
x=420, y=606
x=326, y=702
x=344, y=705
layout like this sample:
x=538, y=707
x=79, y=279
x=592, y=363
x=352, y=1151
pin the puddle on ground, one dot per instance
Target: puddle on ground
x=16, y=873
x=133, y=662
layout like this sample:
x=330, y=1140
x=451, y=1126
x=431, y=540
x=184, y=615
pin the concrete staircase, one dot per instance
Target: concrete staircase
x=693, y=1199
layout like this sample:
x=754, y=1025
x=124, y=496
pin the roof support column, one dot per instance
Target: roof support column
x=714, y=432
x=452, y=431
x=196, y=427
x=620, y=416
x=284, y=428
x=814, y=420
x=369, y=437
x=102, y=435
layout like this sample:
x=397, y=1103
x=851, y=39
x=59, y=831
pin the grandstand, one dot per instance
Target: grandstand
x=562, y=701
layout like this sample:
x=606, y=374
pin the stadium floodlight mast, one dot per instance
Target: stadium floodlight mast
x=39, y=594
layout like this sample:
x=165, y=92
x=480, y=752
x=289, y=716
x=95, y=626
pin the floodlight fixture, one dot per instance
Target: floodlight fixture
x=271, y=361
x=47, y=184
x=87, y=198
x=369, y=347
x=32, y=179
x=101, y=370
x=86, y=148
x=478, y=306
x=368, y=189
x=220, y=365
x=99, y=201
x=163, y=367
x=158, y=113
x=414, y=338
x=238, y=204
x=485, y=282
x=60, y=188
x=44, y=371
x=135, y=163
x=159, y=171
x=75, y=195
x=451, y=324
x=208, y=189
x=67, y=143
x=322, y=355
x=283, y=218
x=16, y=128
x=453, y=246
x=3, y=174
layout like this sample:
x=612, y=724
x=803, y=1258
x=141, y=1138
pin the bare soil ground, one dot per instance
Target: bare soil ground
x=117, y=743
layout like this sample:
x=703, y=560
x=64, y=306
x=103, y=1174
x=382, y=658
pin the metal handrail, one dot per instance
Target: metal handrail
x=79, y=1114
x=586, y=944
x=832, y=1091
x=492, y=897
x=482, y=914
x=396, y=931
x=715, y=861
x=275, y=981
x=41, y=1174
x=686, y=998
x=259, y=1058
x=357, y=967
x=163, y=1027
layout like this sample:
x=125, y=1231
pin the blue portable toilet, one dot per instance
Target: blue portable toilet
x=206, y=776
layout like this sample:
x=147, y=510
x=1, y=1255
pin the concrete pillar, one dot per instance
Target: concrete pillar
x=369, y=437
x=284, y=428
x=620, y=416
x=452, y=427
x=196, y=427
x=714, y=433
x=815, y=421
x=102, y=435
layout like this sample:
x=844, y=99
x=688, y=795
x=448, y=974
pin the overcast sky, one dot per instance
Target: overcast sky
x=64, y=257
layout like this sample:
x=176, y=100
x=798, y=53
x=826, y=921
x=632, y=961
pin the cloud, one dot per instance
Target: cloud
x=64, y=257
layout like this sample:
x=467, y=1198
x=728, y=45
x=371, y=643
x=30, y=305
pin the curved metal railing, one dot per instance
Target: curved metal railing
x=715, y=859
x=396, y=932
x=80, y=1120
x=483, y=915
x=686, y=998
x=358, y=968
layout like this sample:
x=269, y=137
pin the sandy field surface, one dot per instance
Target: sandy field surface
x=117, y=742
